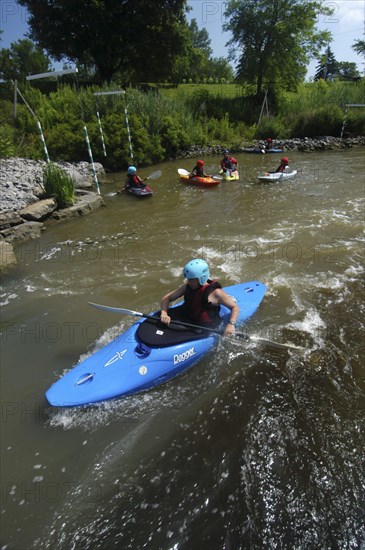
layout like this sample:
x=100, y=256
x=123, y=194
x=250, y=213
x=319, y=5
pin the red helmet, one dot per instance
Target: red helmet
x=285, y=160
x=200, y=163
x=269, y=140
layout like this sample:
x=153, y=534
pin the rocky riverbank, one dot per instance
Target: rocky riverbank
x=24, y=208
x=304, y=145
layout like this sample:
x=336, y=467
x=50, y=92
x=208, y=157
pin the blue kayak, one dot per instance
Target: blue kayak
x=145, y=355
x=263, y=150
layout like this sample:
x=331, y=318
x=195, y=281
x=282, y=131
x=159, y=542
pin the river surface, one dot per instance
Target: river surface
x=253, y=447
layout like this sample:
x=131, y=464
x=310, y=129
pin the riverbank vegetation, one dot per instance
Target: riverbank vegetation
x=202, y=101
x=164, y=121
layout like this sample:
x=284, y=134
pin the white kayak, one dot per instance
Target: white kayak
x=266, y=177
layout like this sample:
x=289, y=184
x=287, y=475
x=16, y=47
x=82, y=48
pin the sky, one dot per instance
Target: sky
x=346, y=25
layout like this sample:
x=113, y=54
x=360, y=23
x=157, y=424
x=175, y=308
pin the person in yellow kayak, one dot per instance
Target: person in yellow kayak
x=202, y=299
x=228, y=163
x=198, y=170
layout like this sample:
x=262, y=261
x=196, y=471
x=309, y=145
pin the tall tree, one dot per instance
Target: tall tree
x=197, y=64
x=21, y=59
x=327, y=65
x=129, y=37
x=200, y=38
x=359, y=46
x=275, y=39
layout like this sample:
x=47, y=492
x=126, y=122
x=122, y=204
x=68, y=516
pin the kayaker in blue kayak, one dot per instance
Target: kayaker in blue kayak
x=198, y=170
x=133, y=180
x=202, y=299
x=268, y=144
x=228, y=163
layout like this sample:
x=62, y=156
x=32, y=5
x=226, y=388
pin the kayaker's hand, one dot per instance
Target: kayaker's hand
x=165, y=318
x=229, y=330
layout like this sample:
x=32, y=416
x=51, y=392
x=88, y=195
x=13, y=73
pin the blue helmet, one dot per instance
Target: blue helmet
x=197, y=269
x=132, y=170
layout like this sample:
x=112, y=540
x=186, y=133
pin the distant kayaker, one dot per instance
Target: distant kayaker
x=284, y=164
x=132, y=179
x=268, y=144
x=202, y=299
x=228, y=163
x=198, y=170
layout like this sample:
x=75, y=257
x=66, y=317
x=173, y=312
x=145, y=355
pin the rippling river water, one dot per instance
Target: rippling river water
x=253, y=447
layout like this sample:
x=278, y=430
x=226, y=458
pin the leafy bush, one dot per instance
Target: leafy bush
x=355, y=123
x=318, y=122
x=273, y=127
x=7, y=148
x=58, y=185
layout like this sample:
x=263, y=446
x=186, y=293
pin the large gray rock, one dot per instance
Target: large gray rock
x=39, y=210
x=22, y=232
x=8, y=219
x=86, y=202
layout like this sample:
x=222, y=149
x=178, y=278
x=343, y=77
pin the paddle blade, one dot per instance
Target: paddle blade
x=155, y=175
x=182, y=172
x=118, y=310
x=272, y=344
x=218, y=178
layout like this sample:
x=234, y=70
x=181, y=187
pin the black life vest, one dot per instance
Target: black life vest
x=197, y=306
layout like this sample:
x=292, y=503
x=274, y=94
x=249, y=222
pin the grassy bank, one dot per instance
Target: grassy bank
x=167, y=120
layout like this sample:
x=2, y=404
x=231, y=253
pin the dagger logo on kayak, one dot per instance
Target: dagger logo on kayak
x=178, y=358
x=118, y=355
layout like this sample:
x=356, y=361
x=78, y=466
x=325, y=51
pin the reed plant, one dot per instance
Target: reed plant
x=58, y=185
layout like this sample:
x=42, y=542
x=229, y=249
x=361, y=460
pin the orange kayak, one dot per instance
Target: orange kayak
x=205, y=182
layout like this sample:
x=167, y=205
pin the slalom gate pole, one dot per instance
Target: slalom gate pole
x=91, y=160
x=101, y=133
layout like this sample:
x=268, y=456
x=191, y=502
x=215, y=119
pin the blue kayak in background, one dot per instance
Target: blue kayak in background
x=146, y=355
x=263, y=150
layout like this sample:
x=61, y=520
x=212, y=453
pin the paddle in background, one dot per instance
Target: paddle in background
x=243, y=335
x=183, y=172
x=154, y=176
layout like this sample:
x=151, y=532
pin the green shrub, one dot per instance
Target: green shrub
x=58, y=185
x=274, y=127
x=355, y=122
x=319, y=122
x=7, y=148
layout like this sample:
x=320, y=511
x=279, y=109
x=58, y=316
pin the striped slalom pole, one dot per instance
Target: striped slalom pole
x=128, y=132
x=43, y=140
x=91, y=160
x=101, y=133
x=35, y=116
x=344, y=122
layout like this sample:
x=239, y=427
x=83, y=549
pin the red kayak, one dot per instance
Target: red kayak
x=140, y=191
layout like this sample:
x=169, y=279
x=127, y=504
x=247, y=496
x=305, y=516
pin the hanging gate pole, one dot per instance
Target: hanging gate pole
x=101, y=133
x=91, y=160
